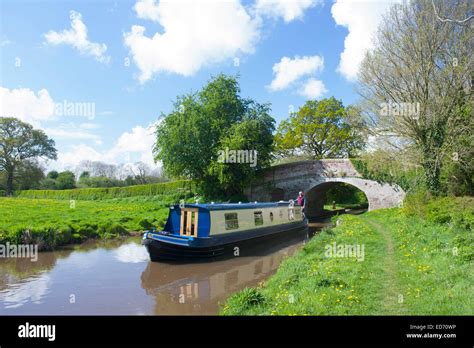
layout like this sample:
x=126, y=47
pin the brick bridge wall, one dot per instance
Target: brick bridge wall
x=283, y=182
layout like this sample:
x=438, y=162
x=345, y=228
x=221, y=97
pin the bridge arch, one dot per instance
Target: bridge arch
x=316, y=196
x=314, y=177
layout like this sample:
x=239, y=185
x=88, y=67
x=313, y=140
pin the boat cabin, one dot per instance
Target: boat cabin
x=207, y=220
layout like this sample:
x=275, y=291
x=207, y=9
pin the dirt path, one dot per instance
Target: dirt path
x=393, y=299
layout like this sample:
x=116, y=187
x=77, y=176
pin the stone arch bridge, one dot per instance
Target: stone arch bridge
x=283, y=182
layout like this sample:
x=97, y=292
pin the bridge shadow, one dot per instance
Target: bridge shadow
x=333, y=198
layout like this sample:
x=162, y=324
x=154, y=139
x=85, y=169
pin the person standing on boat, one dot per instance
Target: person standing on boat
x=300, y=200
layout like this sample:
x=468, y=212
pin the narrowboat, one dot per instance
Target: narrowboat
x=195, y=231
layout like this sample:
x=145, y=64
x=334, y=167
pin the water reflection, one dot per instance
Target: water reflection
x=116, y=277
x=31, y=289
x=199, y=288
x=131, y=253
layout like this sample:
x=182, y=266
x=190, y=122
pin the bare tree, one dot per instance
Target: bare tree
x=413, y=82
x=97, y=168
x=141, y=171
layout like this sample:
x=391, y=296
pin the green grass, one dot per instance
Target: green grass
x=413, y=265
x=345, y=206
x=51, y=223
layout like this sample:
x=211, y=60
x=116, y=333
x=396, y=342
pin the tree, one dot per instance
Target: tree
x=20, y=142
x=458, y=167
x=413, y=81
x=320, y=129
x=254, y=132
x=97, y=168
x=29, y=175
x=66, y=180
x=189, y=138
x=141, y=171
x=52, y=175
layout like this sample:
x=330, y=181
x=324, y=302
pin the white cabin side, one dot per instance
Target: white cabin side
x=223, y=221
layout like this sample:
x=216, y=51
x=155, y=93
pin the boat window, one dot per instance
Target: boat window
x=271, y=216
x=258, y=216
x=231, y=221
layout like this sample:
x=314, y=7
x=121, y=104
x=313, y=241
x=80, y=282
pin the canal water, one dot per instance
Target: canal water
x=116, y=277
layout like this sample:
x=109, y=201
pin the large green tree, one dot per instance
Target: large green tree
x=19, y=141
x=319, y=129
x=29, y=175
x=216, y=118
x=422, y=59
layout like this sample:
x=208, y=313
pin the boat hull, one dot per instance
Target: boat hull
x=222, y=246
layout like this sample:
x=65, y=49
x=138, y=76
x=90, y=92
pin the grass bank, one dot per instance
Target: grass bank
x=417, y=260
x=50, y=222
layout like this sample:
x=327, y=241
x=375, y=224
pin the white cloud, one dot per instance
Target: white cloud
x=130, y=147
x=147, y=9
x=71, y=133
x=139, y=141
x=361, y=18
x=5, y=42
x=77, y=38
x=70, y=159
x=312, y=89
x=89, y=125
x=194, y=35
x=288, y=70
x=289, y=10
x=25, y=104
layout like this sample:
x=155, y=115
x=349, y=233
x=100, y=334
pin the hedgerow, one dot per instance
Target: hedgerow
x=109, y=192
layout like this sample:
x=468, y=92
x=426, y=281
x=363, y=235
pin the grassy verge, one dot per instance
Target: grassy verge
x=412, y=264
x=51, y=223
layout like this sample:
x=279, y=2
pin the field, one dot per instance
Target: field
x=51, y=223
x=413, y=263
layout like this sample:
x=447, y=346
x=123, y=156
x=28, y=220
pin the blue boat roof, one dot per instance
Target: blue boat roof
x=234, y=206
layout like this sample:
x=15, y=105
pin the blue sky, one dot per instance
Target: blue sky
x=106, y=54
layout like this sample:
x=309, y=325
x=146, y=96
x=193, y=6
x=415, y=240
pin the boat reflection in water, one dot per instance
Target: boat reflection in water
x=198, y=288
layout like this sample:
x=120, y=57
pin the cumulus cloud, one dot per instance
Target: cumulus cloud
x=139, y=141
x=288, y=70
x=312, y=89
x=77, y=38
x=361, y=18
x=25, y=104
x=288, y=10
x=74, y=131
x=135, y=145
x=195, y=34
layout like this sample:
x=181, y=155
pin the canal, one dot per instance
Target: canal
x=116, y=277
